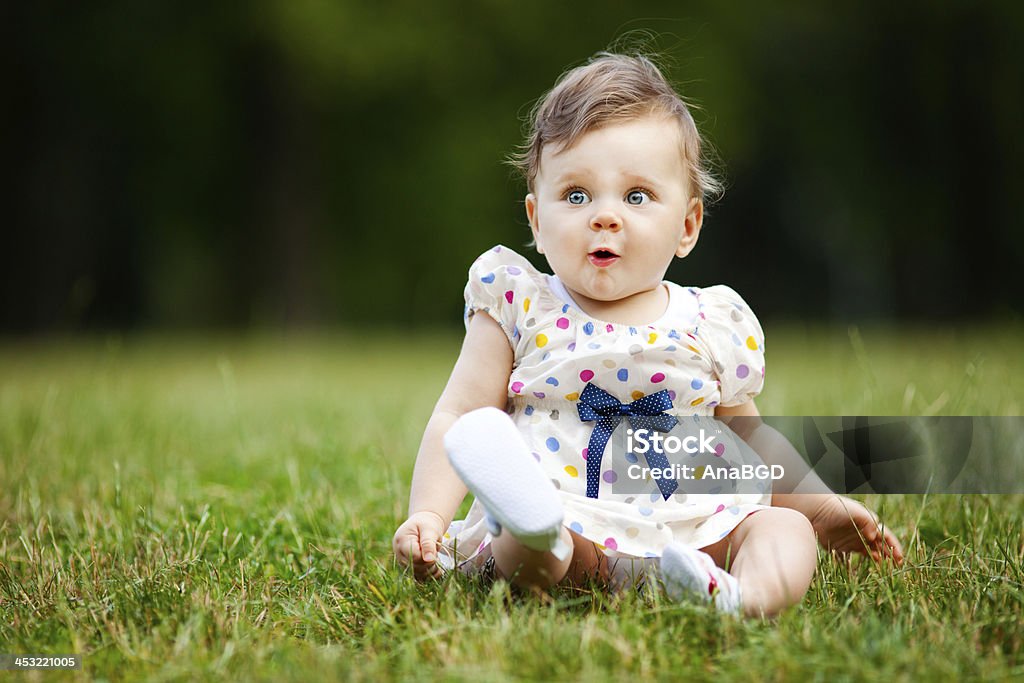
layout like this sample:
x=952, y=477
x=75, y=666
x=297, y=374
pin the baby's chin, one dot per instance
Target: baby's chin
x=607, y=292
x=602, y=292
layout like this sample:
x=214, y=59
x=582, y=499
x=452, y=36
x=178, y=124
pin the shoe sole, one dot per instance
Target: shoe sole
x=506, y=479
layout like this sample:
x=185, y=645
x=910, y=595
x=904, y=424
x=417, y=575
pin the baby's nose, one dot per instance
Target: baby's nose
x=605, y=220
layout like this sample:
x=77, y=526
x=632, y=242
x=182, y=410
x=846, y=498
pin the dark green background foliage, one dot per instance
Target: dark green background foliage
x=268, y=163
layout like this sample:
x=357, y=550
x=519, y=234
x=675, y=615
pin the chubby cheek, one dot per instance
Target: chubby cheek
x=561, y=257
x=657, y=265
x=562, y=237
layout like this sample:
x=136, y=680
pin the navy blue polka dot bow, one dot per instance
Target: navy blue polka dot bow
x=596, y=404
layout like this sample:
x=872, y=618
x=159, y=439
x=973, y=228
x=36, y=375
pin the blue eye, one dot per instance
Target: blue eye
x=577, y=197
x=637, y=197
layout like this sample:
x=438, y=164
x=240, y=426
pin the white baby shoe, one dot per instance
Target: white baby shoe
x=689, y=573
x=490, y=456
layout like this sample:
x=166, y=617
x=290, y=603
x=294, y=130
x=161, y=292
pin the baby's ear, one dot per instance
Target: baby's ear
x=530, y=204
x=692, y=223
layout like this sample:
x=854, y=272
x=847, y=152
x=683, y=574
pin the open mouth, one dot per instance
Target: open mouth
x=602, y=257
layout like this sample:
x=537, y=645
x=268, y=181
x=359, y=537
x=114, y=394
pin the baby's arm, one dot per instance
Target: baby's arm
x=479, y=379
x=841, y=524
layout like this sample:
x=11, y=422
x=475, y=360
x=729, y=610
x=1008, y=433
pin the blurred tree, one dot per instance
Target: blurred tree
x=293, y=163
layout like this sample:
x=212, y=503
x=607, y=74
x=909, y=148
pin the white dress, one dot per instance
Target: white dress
x=706, y=350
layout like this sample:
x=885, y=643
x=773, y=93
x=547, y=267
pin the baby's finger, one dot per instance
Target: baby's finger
x=435, y=571
x=407, y=548
x=420, y=571
x=871, y=540
x=894, y=548
x=885, y=545
x=396, y=548
x=428, y=549
x=424, y=570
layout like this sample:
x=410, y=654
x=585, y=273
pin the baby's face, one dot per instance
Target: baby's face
x=612, y=211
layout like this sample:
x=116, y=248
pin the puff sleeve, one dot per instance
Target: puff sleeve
x=501, y=284
x=736, y=343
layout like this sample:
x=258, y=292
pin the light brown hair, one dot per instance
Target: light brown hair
x=612, y=88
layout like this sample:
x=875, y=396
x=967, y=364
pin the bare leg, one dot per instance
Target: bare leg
x=529, y=568
x=773, y=554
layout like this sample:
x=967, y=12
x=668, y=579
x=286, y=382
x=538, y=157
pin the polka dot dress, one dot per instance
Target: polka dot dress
x=706, y=350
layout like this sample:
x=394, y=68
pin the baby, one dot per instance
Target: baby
x=616, y=182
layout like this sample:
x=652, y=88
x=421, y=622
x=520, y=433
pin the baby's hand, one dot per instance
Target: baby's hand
x=415, y=543
x=844, y=525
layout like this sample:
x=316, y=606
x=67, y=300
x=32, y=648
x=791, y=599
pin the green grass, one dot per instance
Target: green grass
x=212, y=507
